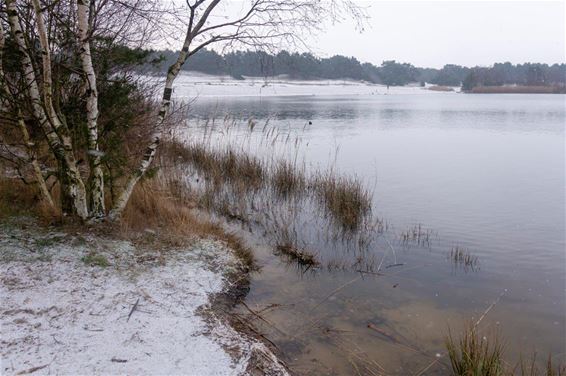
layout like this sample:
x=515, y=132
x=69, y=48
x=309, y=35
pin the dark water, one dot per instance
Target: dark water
x=482, y=172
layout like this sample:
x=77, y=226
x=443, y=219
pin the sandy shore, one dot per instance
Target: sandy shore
x=86, y=304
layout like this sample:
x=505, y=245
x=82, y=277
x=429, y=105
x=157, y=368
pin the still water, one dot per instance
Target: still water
x=481, y=172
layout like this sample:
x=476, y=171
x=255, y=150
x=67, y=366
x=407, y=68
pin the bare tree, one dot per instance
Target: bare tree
x=264, y=24
x=58, y=33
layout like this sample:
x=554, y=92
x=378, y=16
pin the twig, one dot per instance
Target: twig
x=423, y=370
x=490, y=307
x=262, y=318
x=133, y=309
x=394, y=265
x=334, y=292
x=31, y=370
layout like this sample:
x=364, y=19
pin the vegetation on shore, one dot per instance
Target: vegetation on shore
x=474, y=354
x=307, y=66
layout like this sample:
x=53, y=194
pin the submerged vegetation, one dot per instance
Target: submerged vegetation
x=462, y=257
x=345, y=199
x=273, y=194
x=416, y=235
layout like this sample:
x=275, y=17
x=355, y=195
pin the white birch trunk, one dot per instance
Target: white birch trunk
x=151, y=149
x=55, y=132
x=94, y=155
x=31, y=155
x=39, y=179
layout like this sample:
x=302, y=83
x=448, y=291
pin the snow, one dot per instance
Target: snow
x=190, y=85
x=60, y=315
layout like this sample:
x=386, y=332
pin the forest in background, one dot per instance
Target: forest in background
x=239, y=64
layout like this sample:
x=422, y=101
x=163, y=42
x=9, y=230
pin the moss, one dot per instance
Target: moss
x=94, y=259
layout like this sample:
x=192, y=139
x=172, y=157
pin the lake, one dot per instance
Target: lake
x=482, y=173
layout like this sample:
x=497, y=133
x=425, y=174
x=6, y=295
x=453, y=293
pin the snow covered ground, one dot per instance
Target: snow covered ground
x=190, y=85
x=62, y=312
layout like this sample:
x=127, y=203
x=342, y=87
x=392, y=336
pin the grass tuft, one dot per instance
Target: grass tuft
x=344, y=198
x=475, y=355
x=287, y=179
x=95, y=259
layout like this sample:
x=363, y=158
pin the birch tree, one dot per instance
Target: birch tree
x=258, y=24
x=60, y=33
x=55, y=131
x=94, y=154
x=39, y=179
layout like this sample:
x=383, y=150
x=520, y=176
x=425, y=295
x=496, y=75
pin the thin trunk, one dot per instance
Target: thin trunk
x=172, y=73
x=94, y=155
x=32, y=159
x=40, y=180
x=149, y=154
x=55, y=132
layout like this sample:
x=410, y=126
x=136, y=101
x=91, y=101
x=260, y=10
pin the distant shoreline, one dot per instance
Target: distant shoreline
x=519, y=89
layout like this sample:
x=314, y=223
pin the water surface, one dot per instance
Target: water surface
x=482, y=172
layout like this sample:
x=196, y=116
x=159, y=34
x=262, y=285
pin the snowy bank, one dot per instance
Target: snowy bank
x=191, y=85
x=88, y=304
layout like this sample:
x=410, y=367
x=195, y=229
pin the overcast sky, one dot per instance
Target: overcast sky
x=434, y=33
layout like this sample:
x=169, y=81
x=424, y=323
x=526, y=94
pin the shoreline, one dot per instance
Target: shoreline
x=90, y=303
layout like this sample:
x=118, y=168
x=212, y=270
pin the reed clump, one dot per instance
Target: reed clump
x=287, y=179
x=301, y=256
x=416, y=235
x=475, y=355
x=461, y=256
x=344, y=198
x=222, y=167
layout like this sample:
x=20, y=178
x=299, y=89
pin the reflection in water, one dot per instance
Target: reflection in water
x=486, y=173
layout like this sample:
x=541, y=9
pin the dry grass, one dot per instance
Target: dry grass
x=219, y=166
x=287, y=179
x=518, y=89
x=300, y=256
x=344, y=198
x=164, y=206
x=19, y=198
x=440, y=88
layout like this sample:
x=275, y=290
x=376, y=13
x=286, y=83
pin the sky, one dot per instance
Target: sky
x=434, y=33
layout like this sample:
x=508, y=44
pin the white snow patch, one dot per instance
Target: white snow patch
x=190, y=85
x=60, y=316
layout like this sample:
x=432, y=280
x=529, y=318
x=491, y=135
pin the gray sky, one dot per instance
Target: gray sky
x=434, y=33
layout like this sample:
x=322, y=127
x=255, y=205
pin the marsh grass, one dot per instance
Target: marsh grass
x=166, y=206
x=303, y=257
x=273, y=194
x=344, y=198
x=287, y=179
x=462, y=257
x=475, y=355
x=417, y=235
x=531, y=368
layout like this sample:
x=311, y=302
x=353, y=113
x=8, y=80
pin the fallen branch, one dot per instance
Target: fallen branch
x=133, y=309
x=31, y=370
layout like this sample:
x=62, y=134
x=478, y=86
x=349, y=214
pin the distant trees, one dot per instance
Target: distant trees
x=390, y=72
x=528, y=74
